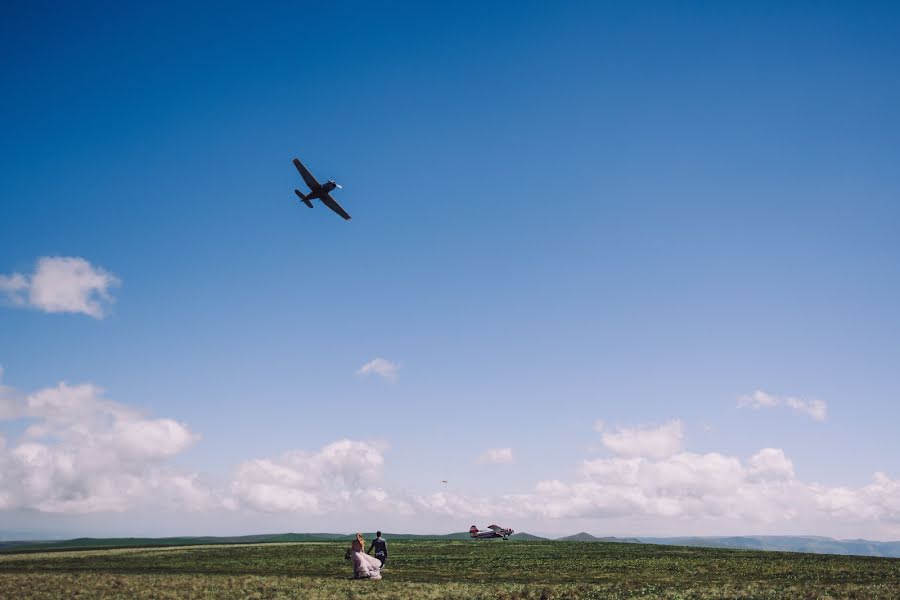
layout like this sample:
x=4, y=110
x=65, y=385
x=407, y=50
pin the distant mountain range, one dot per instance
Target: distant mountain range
x=787, y=543
x=813, y=544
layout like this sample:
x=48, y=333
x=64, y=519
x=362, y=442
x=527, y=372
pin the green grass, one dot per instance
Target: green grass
x=447, y=569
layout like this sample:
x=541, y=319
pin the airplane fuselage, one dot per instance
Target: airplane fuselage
x=322, y=190
x=490, y=533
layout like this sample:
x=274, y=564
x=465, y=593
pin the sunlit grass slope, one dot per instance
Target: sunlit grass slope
x=446, y=569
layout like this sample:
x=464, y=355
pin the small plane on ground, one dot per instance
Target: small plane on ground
x=493, y=531
x=318, y=191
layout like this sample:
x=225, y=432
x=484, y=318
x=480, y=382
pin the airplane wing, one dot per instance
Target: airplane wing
x=306, y=175
x=328, y=201
x=495, y=528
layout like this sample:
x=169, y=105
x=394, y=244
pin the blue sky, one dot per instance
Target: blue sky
x=561, y=214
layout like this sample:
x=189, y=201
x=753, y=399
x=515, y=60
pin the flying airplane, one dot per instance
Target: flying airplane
x=318, y=191
x=493, y=531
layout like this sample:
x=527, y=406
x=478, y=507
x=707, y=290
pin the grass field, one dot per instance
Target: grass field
x=446, y=569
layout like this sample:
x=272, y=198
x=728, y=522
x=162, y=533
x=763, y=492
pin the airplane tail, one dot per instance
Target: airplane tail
x=473, y=530
x=304, y=198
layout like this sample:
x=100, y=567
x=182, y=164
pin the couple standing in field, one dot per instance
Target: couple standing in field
x=366, y=566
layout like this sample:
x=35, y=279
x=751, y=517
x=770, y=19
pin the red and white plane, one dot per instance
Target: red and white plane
x=493, y=531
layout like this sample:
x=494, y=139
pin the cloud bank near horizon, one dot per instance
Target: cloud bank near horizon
x=80, y=452
x=650, y=475
x=333, y=478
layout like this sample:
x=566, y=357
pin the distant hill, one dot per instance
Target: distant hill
x=812, y=544
x=527, y=537
x=787, y=543
x=578, y=537
x=13, y=544
x=586, y=537
x=30, y=545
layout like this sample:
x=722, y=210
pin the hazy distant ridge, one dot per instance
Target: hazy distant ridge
x=787, y=543
x=811, y=544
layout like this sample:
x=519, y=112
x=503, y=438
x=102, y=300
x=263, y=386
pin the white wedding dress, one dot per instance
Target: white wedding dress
x=365, y=566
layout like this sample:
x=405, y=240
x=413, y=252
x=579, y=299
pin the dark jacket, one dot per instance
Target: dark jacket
x=380, y=546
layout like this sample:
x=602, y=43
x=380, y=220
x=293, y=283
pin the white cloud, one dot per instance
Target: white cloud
x=382, y=367
x=685, y=485
x=878, y=500
x=497, y=456
x=457, y=506
x=81, y=452
x=311, y=482
x=13, y=286
x=653, y=442
x=84, y=453
x=666, y=487
x=770, y=464
x=756, y=400
x=61, y=284
x=816, y=409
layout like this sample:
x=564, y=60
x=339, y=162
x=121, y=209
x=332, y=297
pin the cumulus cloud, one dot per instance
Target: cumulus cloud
x=758, y=399
x=648, y=479
x=81, y=452
x=13, y=286
x=84, y=453
x=311, y=482
x=682, y=485
x=652, y=442
x=496, y=456
x=816, y=409
x=61, y=284
x=770, y=464
x=879, y=500
x=459, y=506
x=381, y=367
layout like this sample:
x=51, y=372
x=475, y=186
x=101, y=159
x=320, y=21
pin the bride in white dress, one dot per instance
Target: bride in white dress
x=365, y=566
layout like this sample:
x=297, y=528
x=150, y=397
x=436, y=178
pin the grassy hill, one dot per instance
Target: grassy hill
x=818, y=545
x=136, y=542
x=527, y=537
x=454, y=569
